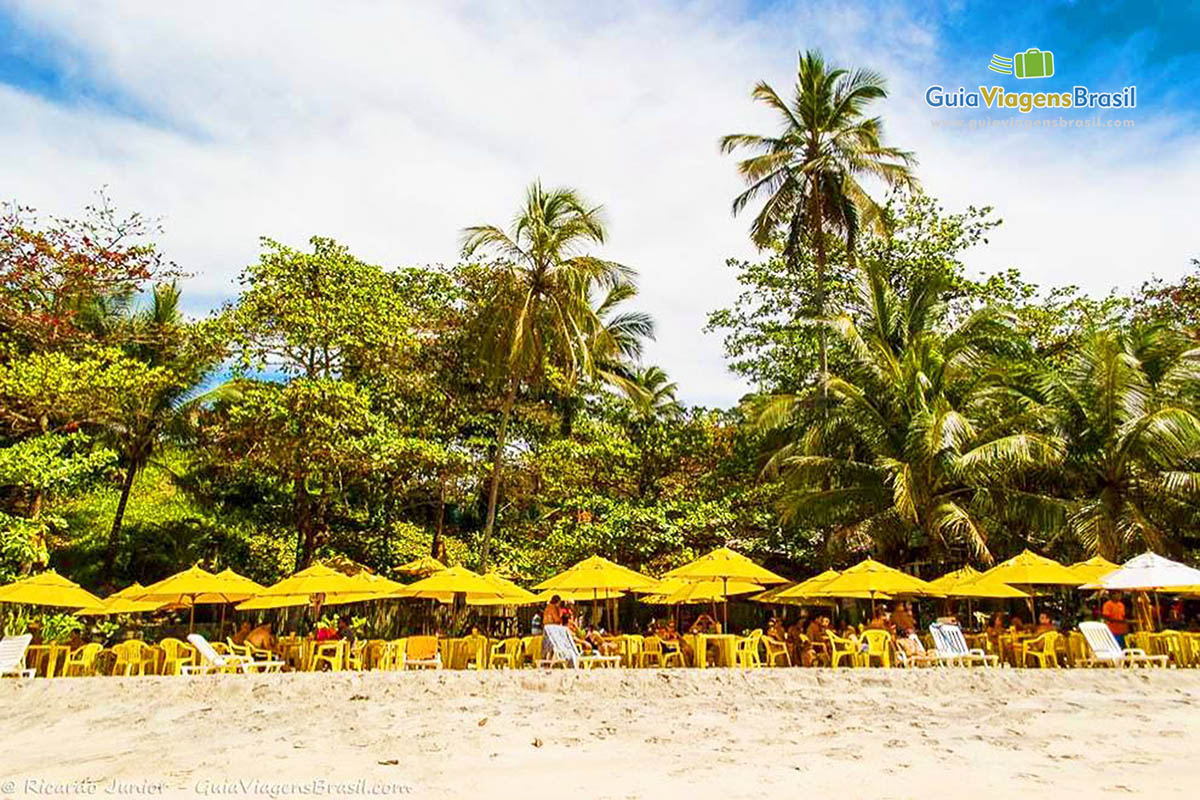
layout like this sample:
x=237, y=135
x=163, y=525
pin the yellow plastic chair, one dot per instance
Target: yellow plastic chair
x=131, y=657
x=842, y=648
x=422, y=652
x=331, y=653
x=356, y=655
x=1173, y=645
x=652, y=652
x=531, y=650
x=1042, y=648
x=506, y=654
x=81, y=661
x=776, y=651
x=478, y=649
x=746, y=651
x=395, y=655
x=879, y=648
x=1192, y=640
x=175, y=655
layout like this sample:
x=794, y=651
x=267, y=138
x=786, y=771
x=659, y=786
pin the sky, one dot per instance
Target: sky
x=392, y=125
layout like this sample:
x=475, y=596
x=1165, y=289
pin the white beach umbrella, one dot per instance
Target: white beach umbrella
x=1149, y=573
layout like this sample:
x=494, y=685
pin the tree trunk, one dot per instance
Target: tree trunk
x=305, y=529
x=819, y=241
x=497, y=465
x=438, y=546
x=110, y=554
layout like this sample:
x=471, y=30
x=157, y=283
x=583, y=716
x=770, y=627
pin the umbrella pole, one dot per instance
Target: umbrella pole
x=725, y=594
x=221, y=630
x=192, y=616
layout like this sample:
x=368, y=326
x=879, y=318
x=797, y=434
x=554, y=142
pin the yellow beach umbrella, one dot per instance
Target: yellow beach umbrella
x=725, y=564
x=452, y=581
x=983, y=587
x=514, y=595
x=544, y=596
x=804, y=589
x=422, y=567
x=1093, y=569
x=876, y=581
x=677, y=590
x=48, y=589
x=598, y=574
x=240, y=583
x=197, y=586
x=319, y=585
x=1030, y=569
x=120, y=603
x=952, y=579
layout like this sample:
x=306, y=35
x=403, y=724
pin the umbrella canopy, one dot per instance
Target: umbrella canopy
x=196, y=586
x=678, y=590
x=804, y=589
x=241, y=583
x=1149, y=572
x=452, y=581
x=951, y=579
x=422, y=567
x=48, y=589
x=597, y=574
x=871, y=579
x=1093, y=569
x=986, y=588
x=725, y=564
x=514, y=595
x=120, y=603
x=1030, y=569
x=544, y=596
x=320, y=582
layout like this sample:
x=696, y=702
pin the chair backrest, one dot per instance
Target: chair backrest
x=173, y=647
x=87, y=653
x=949, y=639
x=562, y=644
x=130, y=649
x=1101, y=640
x=206, y=650
x=12, y=651
x=652, y=645
x=878, y=641
x=420, y=648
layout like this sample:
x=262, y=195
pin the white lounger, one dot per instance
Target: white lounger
x=1106, y=652
x=212, y=661
x=12, y=656
x=564, y=652
x=951, y=647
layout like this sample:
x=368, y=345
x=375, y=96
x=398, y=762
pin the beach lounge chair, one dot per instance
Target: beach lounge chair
x=212, y=661
x=911, y=652
x=421, y=652
x=12, y=656
x=563, y=651
x=951, y=647
x=1106, y=652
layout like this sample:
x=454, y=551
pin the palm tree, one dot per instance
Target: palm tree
x=654, y=394
x=924, y=431
x=809, y=173
x=158, y=336
x=1134, y=441
x=539, y=311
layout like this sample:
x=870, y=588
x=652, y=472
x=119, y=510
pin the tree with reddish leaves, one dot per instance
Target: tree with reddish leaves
x=58, y=275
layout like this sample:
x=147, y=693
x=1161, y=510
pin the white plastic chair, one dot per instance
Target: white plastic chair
x=212, y=661
x=12, y=656
x=564, y=651
x=1107, y=652
x=951, y=647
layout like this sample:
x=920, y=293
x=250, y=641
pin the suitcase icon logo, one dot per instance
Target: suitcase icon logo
x=1033, y=63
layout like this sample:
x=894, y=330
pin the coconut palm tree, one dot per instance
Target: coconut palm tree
x=924, y=432
x=539, y=311
x=1133, y=463
x=809, y=174
x=654, y=394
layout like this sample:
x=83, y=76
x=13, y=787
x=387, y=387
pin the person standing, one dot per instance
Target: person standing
x=1113, y=614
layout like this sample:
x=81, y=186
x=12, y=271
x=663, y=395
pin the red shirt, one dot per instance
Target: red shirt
x=1113, y=612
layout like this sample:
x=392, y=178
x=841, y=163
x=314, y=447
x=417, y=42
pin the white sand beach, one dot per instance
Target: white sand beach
x=611, y=734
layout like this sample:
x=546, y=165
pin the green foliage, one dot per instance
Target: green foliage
x=54, y=462
x=16, y=623
x=23, y=544
x=57, y=628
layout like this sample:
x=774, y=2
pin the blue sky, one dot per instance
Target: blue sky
x=392, y=126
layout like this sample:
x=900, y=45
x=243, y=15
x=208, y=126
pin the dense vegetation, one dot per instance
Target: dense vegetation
x=498, y=412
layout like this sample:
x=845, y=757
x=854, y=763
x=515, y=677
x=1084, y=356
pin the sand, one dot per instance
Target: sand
x=726, y=734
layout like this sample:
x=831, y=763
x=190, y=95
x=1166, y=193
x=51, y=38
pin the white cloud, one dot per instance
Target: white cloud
x=391, y=126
